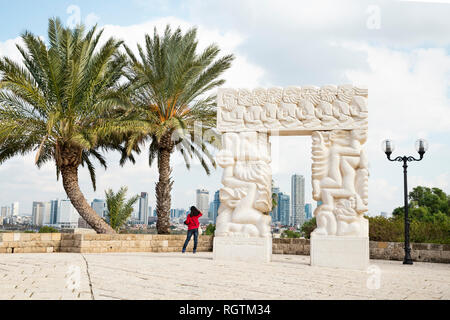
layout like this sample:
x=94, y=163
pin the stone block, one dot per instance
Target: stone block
x=67, y=243
x=176, y=243
x=446, y=247
x=46, y=236
x=429, y=255
x=89, y=237
x=382, y=245
x=38, y=249
x=373, y=244
x=49, y=249
x=3, y=250
x=16, y=236
x=340, y=252
x=435, y=246
x=56, y=236
x=25, y=237
x=307, y=248
x=445, y=256
x=242, y=249
x=7, y=237
x=419, y=246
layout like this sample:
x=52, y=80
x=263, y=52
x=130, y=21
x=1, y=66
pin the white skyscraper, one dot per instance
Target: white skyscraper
x=202, y=203
x=68, y=216
x=5, y=212
x=15, y=209
x=297, y=200
x=38, y=213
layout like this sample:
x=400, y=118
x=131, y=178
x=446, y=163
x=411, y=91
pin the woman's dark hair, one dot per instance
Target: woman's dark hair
x=194, y=211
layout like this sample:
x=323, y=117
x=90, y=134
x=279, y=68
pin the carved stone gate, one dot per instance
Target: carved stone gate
x=336, y=118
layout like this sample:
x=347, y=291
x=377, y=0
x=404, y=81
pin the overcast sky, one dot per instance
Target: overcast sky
x=399, y=49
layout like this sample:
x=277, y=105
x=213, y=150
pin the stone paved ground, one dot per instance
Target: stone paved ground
x=177, y=276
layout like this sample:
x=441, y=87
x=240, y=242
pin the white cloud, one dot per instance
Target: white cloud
x=242, y=72
x=91, y=19
x=8, y=49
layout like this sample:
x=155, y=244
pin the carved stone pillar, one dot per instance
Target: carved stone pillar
x=243, y=221
x=340, y=181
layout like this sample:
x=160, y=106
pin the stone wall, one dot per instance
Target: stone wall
x=97, y=243
x=424, y=252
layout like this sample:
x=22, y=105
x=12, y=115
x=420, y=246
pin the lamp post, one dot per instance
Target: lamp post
x=388, y=148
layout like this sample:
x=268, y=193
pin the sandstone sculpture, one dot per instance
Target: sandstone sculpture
x=336, y=119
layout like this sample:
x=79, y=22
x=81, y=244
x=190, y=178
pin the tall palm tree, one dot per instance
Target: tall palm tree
x=59, y=104
x=119, y=209
x=170, y=82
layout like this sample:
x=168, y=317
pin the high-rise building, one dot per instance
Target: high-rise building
x=297, y=200
x=308, y=211
x=15, y=209
x=202, y=204
x=150, y=211
x=143, y=208
x=5, y=211
x=41, y=213
x=283, y=208
x=384, y=214
x=68, y=216
x=99, y=206
x=216, y=205
x=54, y=210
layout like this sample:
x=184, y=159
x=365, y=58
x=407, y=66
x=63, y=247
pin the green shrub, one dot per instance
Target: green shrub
x=385, y=229
x=309, y=227
x=290, y=234
x=393, y=230
x=47, y=229
x=210, y=229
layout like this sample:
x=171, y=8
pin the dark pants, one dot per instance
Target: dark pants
x=188, y=238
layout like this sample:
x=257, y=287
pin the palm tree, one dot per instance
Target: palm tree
x=60, y=103
x=170, y=82
x=118, y=210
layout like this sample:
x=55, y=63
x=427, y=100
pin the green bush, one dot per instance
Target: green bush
x=290, y=234
x=393, y=229
x=383, y=229
x=210, y=229
x=309, y=227
x=47, y=229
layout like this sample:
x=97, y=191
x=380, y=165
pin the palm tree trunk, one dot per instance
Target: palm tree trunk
x=68, y=164
x=164, y=185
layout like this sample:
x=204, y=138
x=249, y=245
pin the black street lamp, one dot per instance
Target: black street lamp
x=421, y=147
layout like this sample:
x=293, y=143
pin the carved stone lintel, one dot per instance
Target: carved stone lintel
x=292, y=109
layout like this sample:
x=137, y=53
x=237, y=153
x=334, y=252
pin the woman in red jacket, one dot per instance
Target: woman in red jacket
x=193, y=225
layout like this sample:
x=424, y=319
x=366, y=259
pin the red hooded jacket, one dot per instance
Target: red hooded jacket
x=192, y=222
